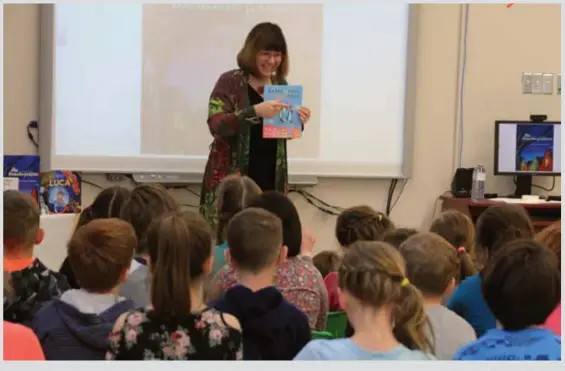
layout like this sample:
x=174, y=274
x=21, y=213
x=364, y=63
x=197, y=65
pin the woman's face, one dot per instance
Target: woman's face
x=268, y=62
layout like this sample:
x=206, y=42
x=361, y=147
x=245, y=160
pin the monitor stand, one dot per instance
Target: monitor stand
x=523, y=186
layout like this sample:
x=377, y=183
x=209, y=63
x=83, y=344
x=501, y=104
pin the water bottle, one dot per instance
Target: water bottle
x=478, y=186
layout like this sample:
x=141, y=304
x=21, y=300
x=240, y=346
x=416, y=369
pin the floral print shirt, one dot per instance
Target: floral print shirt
x=145, y=335
x=300, y=283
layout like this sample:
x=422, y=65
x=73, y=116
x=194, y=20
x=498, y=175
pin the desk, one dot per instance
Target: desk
x=542, y=213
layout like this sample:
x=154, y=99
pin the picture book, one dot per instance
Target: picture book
x=22, y=173
x=60, y=192
x=534, y=148
x=286, y=124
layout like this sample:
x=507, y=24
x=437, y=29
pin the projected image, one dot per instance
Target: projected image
x=186, y=47
x=534, y=148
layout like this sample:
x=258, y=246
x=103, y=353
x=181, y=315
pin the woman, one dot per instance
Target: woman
x=235, y=119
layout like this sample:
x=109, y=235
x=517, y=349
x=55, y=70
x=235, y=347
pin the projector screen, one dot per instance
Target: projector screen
x=125, y=87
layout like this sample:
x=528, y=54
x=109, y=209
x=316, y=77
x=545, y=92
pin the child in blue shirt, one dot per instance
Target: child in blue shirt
x=497, y=225
x=234, y=195
x=385, y=310
x=521, y=286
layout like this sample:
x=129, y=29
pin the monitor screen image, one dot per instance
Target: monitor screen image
x=527, y=148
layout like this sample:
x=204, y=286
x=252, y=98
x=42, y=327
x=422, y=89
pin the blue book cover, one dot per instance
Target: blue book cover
x=60, y=192
x=22, y=174
x=286, y=124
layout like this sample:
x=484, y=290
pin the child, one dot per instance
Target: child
x=432, y=265
x=108, y=204
x=497, y=225
x=326, y=262
x=397, y=236
x=177, y=325
x=272, y=328
x=522, y=286
x=298, y=279
x=359, y=223
x=146, y=203
x=234, y=195
x=33, y=284
x=551, y=238
x=19, y=342
x=385, y=310
x=76, y=326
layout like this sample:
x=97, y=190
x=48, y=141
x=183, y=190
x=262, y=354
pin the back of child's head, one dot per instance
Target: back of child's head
x=500, y=224
x=458, y=229
x=282, y=206
x=146, y=203
x=373, y=273
x=432, y=264
x=255, y=238
x=180, y=249
x=108, y=204
x=550, y=237
x=327, y=262
x=361, y=223
x=234, y=194
x=100, y=254
x=21, y=220
x=522, y=284
x=396, y=237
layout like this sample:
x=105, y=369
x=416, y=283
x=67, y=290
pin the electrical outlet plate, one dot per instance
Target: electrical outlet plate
x=547, y=83
x=527, y=83
x=537, y=83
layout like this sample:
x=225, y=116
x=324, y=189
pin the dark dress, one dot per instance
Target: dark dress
x=262, y=152
x=147, y=335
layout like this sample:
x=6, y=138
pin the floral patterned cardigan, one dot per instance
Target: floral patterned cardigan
x=230, y=116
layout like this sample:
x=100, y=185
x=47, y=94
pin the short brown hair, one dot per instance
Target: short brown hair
x=255, y=238
x=264, y=36
x=327, y=262
x=179, y=244
x=458, y=229
x=551, y=238
x=521, y=284
x=99, y=252
x=373, y=272
x=500, y=224
x=21, y=219
x=361, y=223
x=146, y=203
x=431, y=262
x=235, y=194
x=396, y=237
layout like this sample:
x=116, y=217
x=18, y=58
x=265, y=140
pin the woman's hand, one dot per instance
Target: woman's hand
x=308, y=242
x=269, y=109
x=304, y=114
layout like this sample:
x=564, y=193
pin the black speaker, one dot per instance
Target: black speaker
x=462, y=182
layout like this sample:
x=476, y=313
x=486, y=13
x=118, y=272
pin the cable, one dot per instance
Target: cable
x=399, y=194
x=315, y=201
x=92, y=184
x=462, y=81
x=437, y=201
x=391, y=189
x=32, y=125
x=192, y=191
x=540, y=187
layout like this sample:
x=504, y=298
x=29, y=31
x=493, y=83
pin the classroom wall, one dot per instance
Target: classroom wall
x=502, y=43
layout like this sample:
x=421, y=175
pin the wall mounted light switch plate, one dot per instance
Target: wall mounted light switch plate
x=547, y=83
x=527, y=83
x=537, y=85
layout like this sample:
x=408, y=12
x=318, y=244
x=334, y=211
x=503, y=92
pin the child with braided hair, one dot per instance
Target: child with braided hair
x=385, y=310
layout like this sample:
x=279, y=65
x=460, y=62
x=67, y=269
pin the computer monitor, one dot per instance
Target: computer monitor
x=524, y=149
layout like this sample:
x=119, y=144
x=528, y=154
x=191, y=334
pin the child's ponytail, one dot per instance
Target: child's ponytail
x=410, y=320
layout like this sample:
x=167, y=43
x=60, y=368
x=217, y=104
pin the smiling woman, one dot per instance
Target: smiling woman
x=235, y=118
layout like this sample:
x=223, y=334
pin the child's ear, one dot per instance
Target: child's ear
x=39, y=236
x=283, y=255
x=450, y=287
x=208, y=264
x=342, y=297
x=228, y=258
x=123, y=276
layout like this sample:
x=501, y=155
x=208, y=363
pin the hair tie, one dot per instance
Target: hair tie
x=461, y=249
x=404, y=282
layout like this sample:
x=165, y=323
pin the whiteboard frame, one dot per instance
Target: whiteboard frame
x=307, y=168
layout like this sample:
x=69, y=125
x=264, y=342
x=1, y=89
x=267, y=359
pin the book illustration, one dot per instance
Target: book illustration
x=60, y=192
x=22, y=173
x=534, y=148
x=286, y=124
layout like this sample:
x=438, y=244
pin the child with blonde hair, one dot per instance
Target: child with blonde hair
x=384, y=308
